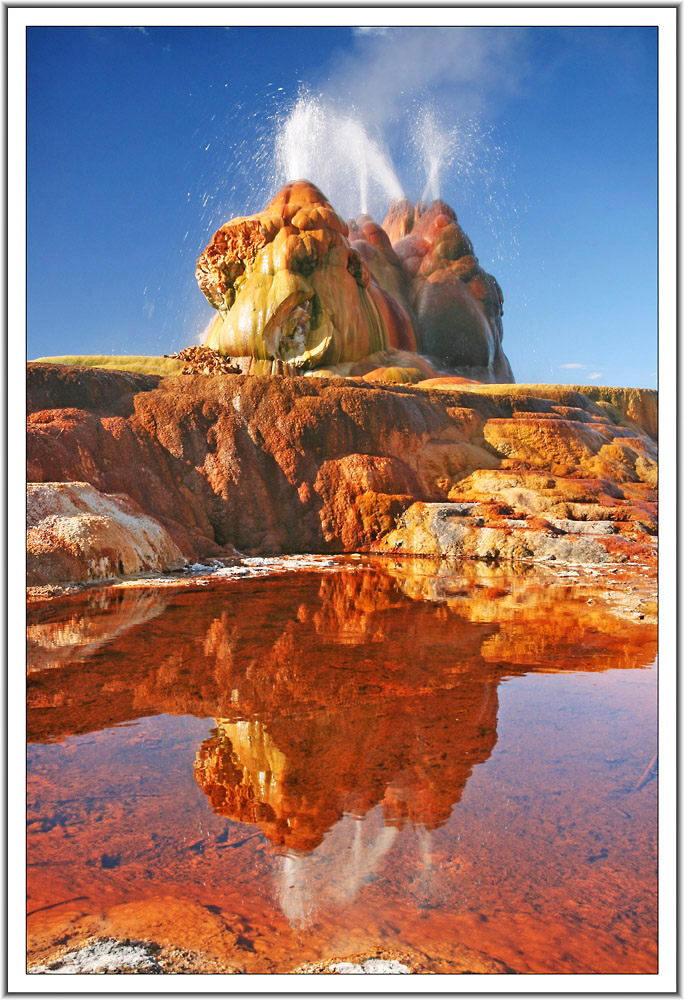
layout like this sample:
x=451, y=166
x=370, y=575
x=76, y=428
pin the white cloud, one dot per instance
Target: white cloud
x=143, y=31
x=370, y=31
x=574, y=364
x=595, y=375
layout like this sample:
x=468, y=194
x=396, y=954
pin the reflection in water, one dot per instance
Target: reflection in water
x=348, y=863
x=347, y=640
x=296, y=775
x=58, y=638
x=351, y=710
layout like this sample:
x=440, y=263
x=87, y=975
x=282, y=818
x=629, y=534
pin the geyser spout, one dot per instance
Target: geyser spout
x=335, y=151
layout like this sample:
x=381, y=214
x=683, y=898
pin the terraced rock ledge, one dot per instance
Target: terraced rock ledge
x=211, y=466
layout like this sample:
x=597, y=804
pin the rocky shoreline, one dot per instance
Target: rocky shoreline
x=110, y=956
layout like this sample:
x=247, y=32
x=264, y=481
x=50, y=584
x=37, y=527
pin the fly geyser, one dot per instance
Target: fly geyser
x=298, y=290
x=409, y=439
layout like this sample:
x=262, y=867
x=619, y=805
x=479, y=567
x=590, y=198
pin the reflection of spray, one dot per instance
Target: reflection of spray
x=294, y=893
x=426, y=857
x=336, y=870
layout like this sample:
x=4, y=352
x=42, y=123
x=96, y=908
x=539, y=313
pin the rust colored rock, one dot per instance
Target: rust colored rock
x=82, y=427
x=391, y=366
x=394, y=374
x=446, y=382
x=271, y=464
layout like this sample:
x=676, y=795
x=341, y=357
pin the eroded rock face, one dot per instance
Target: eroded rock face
x=76, y=533
x=268, y=465
x=296, y=286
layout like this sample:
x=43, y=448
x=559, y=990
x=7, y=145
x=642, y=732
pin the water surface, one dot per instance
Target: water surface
x=448, y=764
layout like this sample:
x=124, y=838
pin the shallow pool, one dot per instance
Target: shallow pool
x=454, y=765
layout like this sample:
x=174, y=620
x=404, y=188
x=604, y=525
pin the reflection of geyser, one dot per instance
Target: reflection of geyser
x=297, y=776
x=332, y=788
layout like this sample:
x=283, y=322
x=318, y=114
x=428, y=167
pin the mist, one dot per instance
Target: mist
x=389, y=68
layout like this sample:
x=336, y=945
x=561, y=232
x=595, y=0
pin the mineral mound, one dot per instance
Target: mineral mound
x=297, y=289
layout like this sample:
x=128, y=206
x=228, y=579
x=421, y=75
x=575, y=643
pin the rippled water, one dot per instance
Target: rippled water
x=449, y=764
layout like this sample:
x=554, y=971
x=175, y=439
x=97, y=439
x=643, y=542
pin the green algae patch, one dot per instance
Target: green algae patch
x=127, y=363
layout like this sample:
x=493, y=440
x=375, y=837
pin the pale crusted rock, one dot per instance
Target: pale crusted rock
x=441, y=530
x=371, y=967
x=76, y=533
x=104, y=956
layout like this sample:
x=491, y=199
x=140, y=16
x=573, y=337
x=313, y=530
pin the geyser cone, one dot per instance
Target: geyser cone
x=296, y=286
x=399, y=219
x=297, y=291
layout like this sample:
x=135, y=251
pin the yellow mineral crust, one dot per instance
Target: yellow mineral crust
x=289, y=287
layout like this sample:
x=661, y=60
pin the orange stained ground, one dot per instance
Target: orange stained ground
x=449, y=763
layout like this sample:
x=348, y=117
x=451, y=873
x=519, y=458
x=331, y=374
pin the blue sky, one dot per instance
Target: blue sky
x=142, y=141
